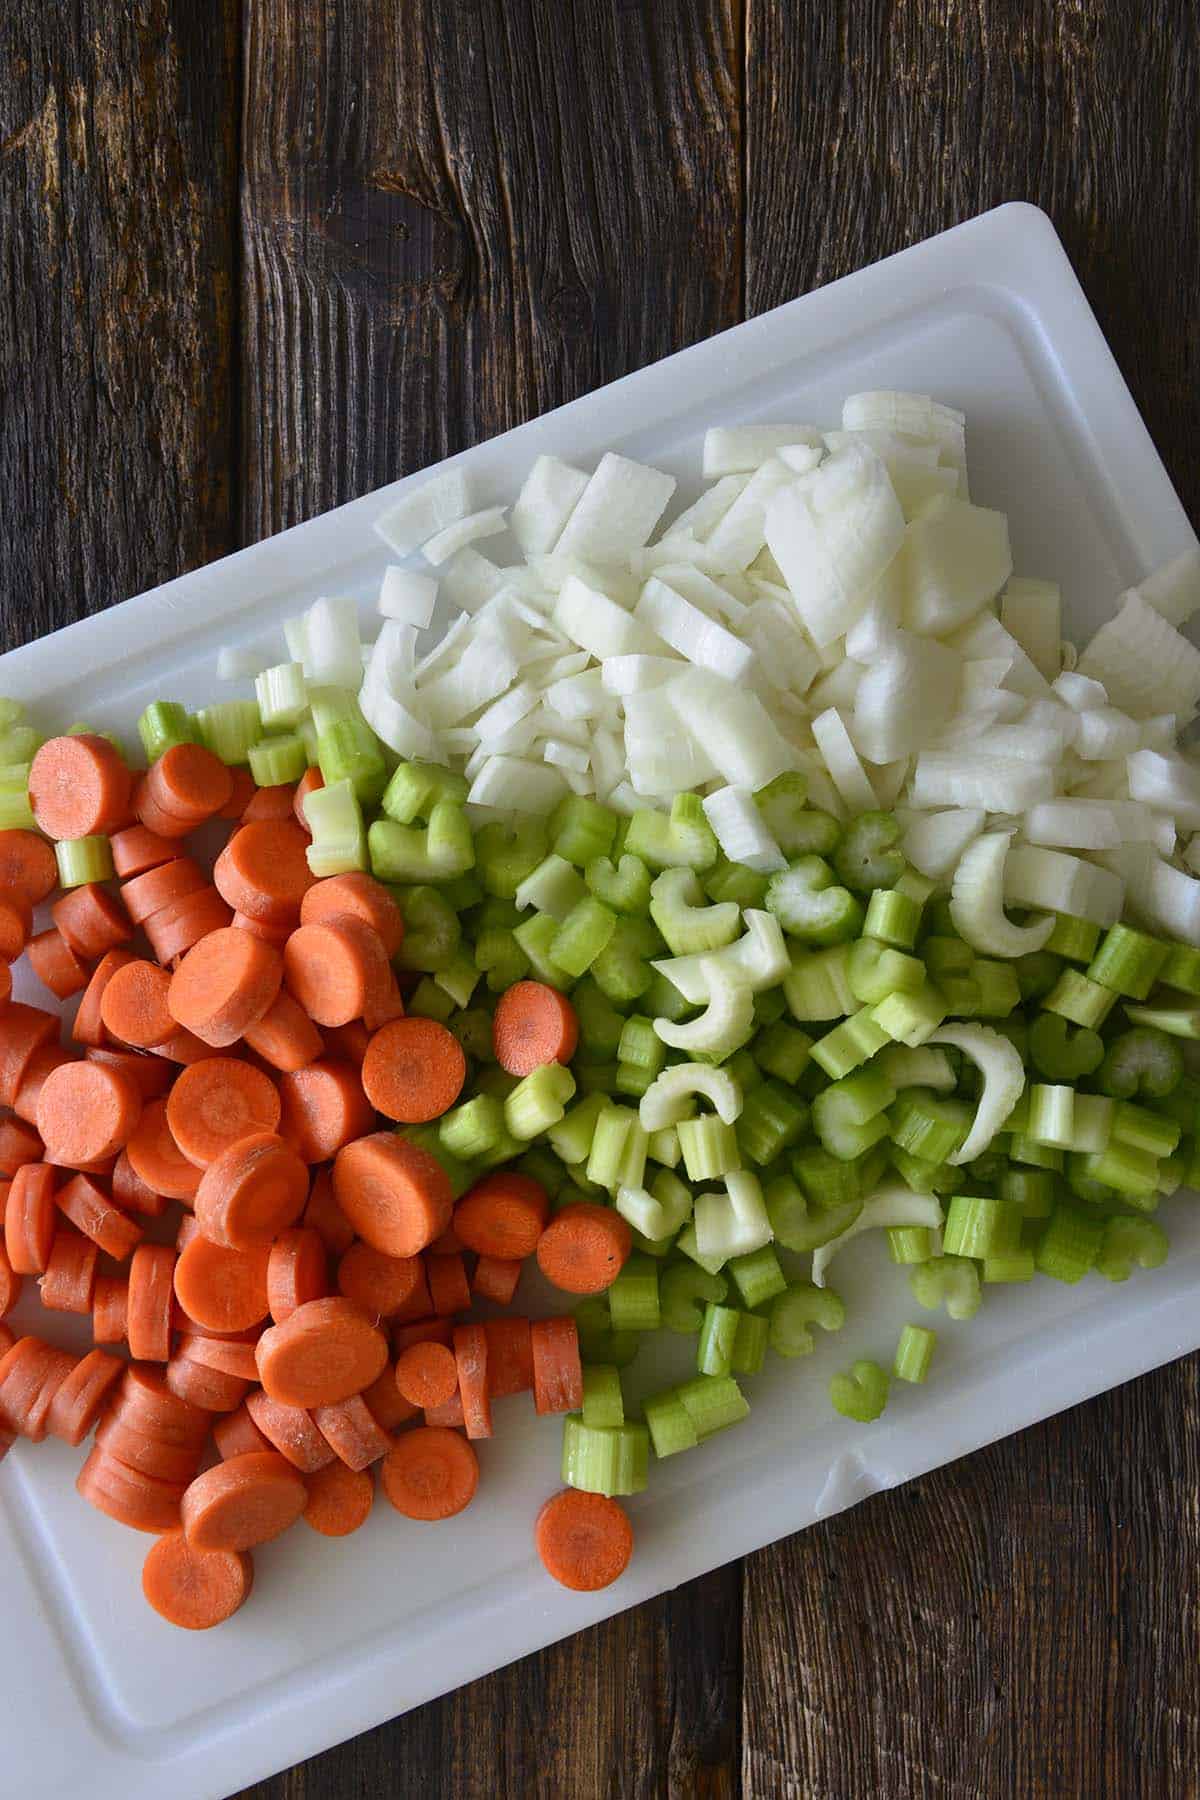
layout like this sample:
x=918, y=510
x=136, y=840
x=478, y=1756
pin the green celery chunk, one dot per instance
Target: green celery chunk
x=861, y=1392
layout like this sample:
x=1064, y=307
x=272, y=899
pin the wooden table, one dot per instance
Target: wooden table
x=260, y=256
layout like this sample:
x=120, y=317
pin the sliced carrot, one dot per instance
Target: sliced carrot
x=176, y=928
x=133, y=1006
x=30, y=1220
x=430, y=1473
x=225, y=1290
x=83, y=1396
x=110, y=1304
x=160, y=886
x=449, y=1289
x=135, y=850
x=421, y=1331
x=92, y=920
x=285, y=1036
x=251, y=1192
x=471, y=1355
x=156, y=1158
x=195, y=1589
x=270, y=803
x=557, y=1370
x=339, y=1500
x=152, y=1075
x=324, y=1108
x=16, y=922
x=83, y=1201
x=149, y=813
x=328, y=971
x=496, y=1278
x=189, y=1228
x=263, y=870
x=291, y=1431
x=22, y=1029
x=395, y=1193
x=31, y=1373
x=190, y=784
x=383, y=1000
x=324, y=1352
x=5, y=984
x=137, y=1449
x=85, y=1112
x=69, y=1281
x=450, y=1414
x=348, y=1041
x=228, y=1355
x=88, y=1026
x=56, y=965
x=533, y=1024
x=381, y=1285
x=210, y=1389
x=296, y=1271
x=236, y=1433
x=27, y=866
x=503, y=1215
x=447, y=1243
x=270, y=934
x=414, y=1070
x=585, y=1541
x=510, y=1356
x=78, y=786
x=352, y=1432
x=361, y=895
x=427, y=1374
x=226, y=982
x=246, y=1501
x=311, y=778
x=7, y=1339
x=148, y=1327
x=19, y=1143
x=326, y=1217
x=584, y=1248
x=244, y=790
x=145, y=1400
x=131, y=1193
x=389, y=1408
x=185, y=1047
x=140, y=1501
x=58, y=1368
x=216, y=1103
x=45, y=1058
x=10, y=1286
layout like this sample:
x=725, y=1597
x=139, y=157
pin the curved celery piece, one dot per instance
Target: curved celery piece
x=733, y=881
x=868, y=855
x=726, y=1023
x=951, y=1281
x=800, y=1225
x=500, y=958
x=228, y=728
x=797, y=829
x=460, y=978
x=1003, y=1082
x=536, y=937
x=598, y=1342
x=808, y=905
x=554, y=887
x=923, y=1067
x=623, y=970
x=582, y=936
x=689, y=926
x=669, y=1098
x=439, y=851
x=734, y=1222
x=794, y=1312
x=626, y=888
x=759, y=958
x=889, y=1208
x=600, y=1024
x=875, y=970
x=657, y=1212
x=1037, y=973
x=860, y=1393
x=1140, y=1061
x=506, y=854
x=663, y=1000
x=1130, y=1241
x=1061, y=1053
x=582, y=830
x=415, y=788
x=432, y=932
x=684, y=839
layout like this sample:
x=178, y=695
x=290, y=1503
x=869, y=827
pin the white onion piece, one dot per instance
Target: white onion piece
x=393, y=656
x=506, y=712
x=1168, y=783
x=833, y=534
x=619, y=508
x=956, y=560
x=1032, y=612
x=785, y=655
x=484, y=670
x=1000, y=785
x=608, y=761
x=842, y=760
x=985, y=637
x=490, y=522
x=636, y=674
x=801, y=459
x=1074, y=825
x=1159, y=733
x=934, y=842
x=977, y=902
x=1147, y=666
x=741, y=534
x=578, y=696
x=395, y=720
x=1052, y=880
x=546, y=501
x=517, y=785
x=907, y=695
x=565, y=756
x=1003, y=1082
x=1079, y=692
x=738, y=827
x=731, y=727
x=729, y=449
x=625, y=799
x=888, y=1207
x=912, y=415
x=697, y=638
x=1174, y=589
x=662, y=755
x=446, y=651
x=407, y=596
x=424, y=509
x=1161, y=896
x=469, y=580
x=699, y=519
x=837, y=688
x=598, y=624
x=1104, y=733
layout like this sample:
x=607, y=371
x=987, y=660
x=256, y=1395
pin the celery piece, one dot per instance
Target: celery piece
x=438, y=851
x=1128, y=961
x=500, y=958
x=683, y=1286
x=757, y=1277
x=910, y=1018
x=1009, y=1266
x=625, y=888
x=281, y=695
x=893, y=919
x=688, y=1245
x=1060, y=1053
x=817, y=986
x=1023, y=1149
x=750, y=1344
x=504, y=1151
x=571, y=1139
x=603, y=1404
x=1144, y=1130
x=81, y=860
x=718, y=1334
x=427, y=1001
x=610, y=1136
x=920, y=1174
x=771, y=1121
x=712, y=1402
x=228, y=729
x=781, y=1050
x=1037, y=973
x=809, y=907
x=633, y=1302
x=867, y=857
x=535, y=937
x=1033, y=1190
x=733, y=881
x=875, y=971
x=951, y=1281
x=473, y=1128
x=861, y=1392
x=910, y=1243
x=415, y=788
x=688, y=925
x=432, y=932
x=1181, y=1020
x=1132, y=1172
x=929, y=1125
x=538, y=1101
x=348, y=750
x=1051, y=1115
x=914, y=1353
x=999, y=990
x=734, y=1222
x=1082, y=1001
x=978, y=1227
x=669, y=1424
x=163, y=724
x=506, y=854
x=640, y=1044
x=1182, y=968
x=709, y=1147
x=583, y=935
x=605, y=1460
x=632, y=1170
x=799, y=1222
x=278, y=761
x=1129, y=1241
x=16, y=814
x=685, y=839
x=1069, y=1245
x=663, y=1000
x=622, y=970
x=1182, y=1102
x=600, y=1024
x=473, y=1029
x=554, y=888
x=799, y=830
x=598, y=1342
x=852, y=1042
x=1072, y=938
x=1141, y=1061
x=339, y=842
x=582, y=829
x=663, y=1147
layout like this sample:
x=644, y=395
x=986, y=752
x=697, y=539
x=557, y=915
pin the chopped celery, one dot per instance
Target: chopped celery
x=1129, y=1241
x=1009, y=1266
x=476, y=1126
x=726, y=1023
x=750, y=1344
x=978, y=1227
x=500, y=958
x=1082, y=1001
x=348, y=750
x=633, y=1302
x=1128, y=961
x=415, y=788
x=875, y=971
x=893, y=918
x=809, y=907
x=910, y=1243
x=683, y=1286
x=1144, y=1130
x=1060, y=1053
x=757, y=1277
x=1072, y=938
x=610, y=1138
x=685, y=839
x=554, y=887
x=163, y=724
x=852, y=1042
x=81, y=860
x=582, y=936
x=1069, y=1245
x=473, y=1029
x=712, y=1402
x=1036, y=973
x=278, y=761
x=538, y=1101
x=282, y=696
x=709, y=1147
x=571, y=1139
x=817, y=986
x=506, y=854
x=718, y=1334
x=731, y=881
x=801, y=1223
x=781, y=1050
x=534, y=939
x=669, y=1423
x=427, y=1001
x=910, y=1018
x=432, y=932
x=339, y=841
x=771, y=1121
x=867, y=856
x=228, y=729
x=1182, y=969
x=951, y=1281
x=928, y=1125
x=625, y=888
x=622, y=970
x=598, y=1342
x=607, y=1460
x=914, y=1353
x=861, y=1392
x=1141, y=1061
x=583, y=830
x=688, y=925
x=734, y=1222
x=603, y=1404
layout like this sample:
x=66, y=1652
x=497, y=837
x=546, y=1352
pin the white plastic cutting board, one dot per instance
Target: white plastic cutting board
x=96, y=1693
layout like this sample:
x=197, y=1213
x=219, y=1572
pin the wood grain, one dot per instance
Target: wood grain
x=117, y=196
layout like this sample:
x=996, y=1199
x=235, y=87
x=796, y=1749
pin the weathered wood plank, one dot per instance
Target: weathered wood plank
x=117, y=205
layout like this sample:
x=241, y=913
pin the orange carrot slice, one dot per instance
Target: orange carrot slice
x=22, y=1030
x=55, y=963
x=85, y=1112
x=135, y=850
x=285, y=1036
x=251, y=1192
x=324, y=1107
x=110, y=1304
x=557, y=1371
x=381, y=1285
x=395, y=1193
x=78, y=786
x=30, y=1220
x=584, y=1248
x=533, y=1024
x=127, y=1495
x=427, y=1374
x=585, y=1541
x=216, y=1103
x=297, y=1271
x=161, y=885
x=148, y=1323
x=326, y=1217
x=190, y=784
x=449, y=1289
x=270, y=803
x=311, y=778
x=195, y=1589
x=175, y=929
x=27, y=866
x=226, y=982
x=222, y=1289
x=69, y=1281
x=339, y=1500
x=361, y=895
x=471, y=1355
x=503, y=1215
x=495, y=1278
x=430, y=1473
x=263, y=871
x=83, y=1396
x=44, y=1059
x=414, y=1070
x=19, y=1143
x=92, y=920
x=291, y=1431
x=351, y=1430
x=156, y=1158
x=510, y=1356
x=236, y=1433
x=324, y=1352
x=246, y=1501
x=210, y=1389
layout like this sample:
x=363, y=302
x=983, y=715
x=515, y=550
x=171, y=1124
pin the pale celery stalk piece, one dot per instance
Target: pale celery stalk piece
x=671, y=1095
x=887, y=1208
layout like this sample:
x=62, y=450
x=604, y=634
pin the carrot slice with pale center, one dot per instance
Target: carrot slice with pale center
x=585, y=1541
x=430, y=1473
x=414, y=1070
x=395, y=1193
x=218, y=1102
x=251, y=1192
x=85, y=1112
x=246, y=1501
x=225, y=982
x=339, y=1500
x=195, y=1589
x=324, y=1352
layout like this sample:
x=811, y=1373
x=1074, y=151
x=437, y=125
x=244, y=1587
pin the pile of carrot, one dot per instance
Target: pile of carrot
x=214, y=1168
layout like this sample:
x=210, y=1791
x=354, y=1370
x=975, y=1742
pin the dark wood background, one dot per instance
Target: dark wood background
x=259, y=256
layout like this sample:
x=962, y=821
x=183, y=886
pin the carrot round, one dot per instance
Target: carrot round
x=10, y=1286
x=270, y=934
x=151, y=1075
x=339, y=1499
x=143, y=1502
x=285, y=1036
x=414, y=1070
x=161, y=885
x=46, y=1057
x=427, y=1374
x=389, y=1408
x=449, y=1289
x=349, y=1042
x=110, y=1302
x=326, y=1217
x=430, y=1473
x=22, y=1029
x=510, y=1356
x=470, y=1347
x=328, y=971
x=533, y=1024
x=89, y=1209
x=215, y=1103
x=156, y=1158
x=251, y=1192
x=19, y=1144
x=69, y=1281
x=176, y=928
x=133, y=1006
x=447, y=1243
x=311, y=778
x=297, y=1271
x=225, y=1290
x=246, y=1501
x=16, y=922
x=78, y=786
x=270, y=803
x=145, y=1401
x=229, y=1356
x=225, y=982
x=135, y=850
x=92, y=920
x=503, y=1215
x=382, y=1285
x=195, y=1589
x=148, y=1326
x=244, y=790
x=27, y=866
x=325, y=1351
x=584, y=1248
x=85, y=1112
x=353, y=1433
x=557, y=1370
x=8, y=1339
x=395, y=1193
x=31, y=1373
x=30, y=1219
x=451, y=1414
x=585, y=1541
x=263, y=871
x=185, y=1047
x=211, y=1390
x=236, y=1433
x=55, y=963
x=495, y=1278
x=361, y=895
x=323, y=1108
x=83, y=1396
x=190, y=784
x=131, y=1193
x=88, y=1026
x=145, y=1451
x=291, y=1431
